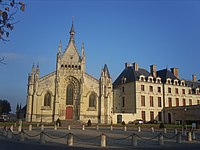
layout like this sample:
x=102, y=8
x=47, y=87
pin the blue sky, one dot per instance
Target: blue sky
x=161, y=32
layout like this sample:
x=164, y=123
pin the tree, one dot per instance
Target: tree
x=8, y=9
x=4, y=107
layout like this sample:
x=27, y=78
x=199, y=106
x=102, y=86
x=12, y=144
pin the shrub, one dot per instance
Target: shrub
x=162, y=125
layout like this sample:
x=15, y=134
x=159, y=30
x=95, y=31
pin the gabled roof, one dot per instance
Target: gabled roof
x=105, y=69
x=164, y=74
x=131, y=75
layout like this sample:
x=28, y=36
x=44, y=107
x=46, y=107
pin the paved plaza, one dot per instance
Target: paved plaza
x=90, y=138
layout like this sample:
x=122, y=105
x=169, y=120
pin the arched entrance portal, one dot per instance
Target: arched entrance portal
x=72, y=99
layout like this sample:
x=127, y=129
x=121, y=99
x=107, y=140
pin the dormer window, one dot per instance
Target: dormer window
x=168, y=81
x=150, y=79
x=175, y=82
x=158, y=80
x=123, y=80
x=142, y=78
x=183, y=83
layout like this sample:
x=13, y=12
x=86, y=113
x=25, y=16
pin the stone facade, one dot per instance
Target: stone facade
x=69, y=93
x=139, y=94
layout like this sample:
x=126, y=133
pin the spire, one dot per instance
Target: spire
x=72, y=31
x=37, y=69
x=105, y=70
x=83, y=50
x=33, y=69
x=60, y=47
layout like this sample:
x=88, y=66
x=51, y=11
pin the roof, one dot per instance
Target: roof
x=131, y=75
x=192, y=84
x=164, y=74
x=105, y=69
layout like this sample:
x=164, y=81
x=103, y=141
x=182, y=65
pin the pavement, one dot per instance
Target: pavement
x=90, y=139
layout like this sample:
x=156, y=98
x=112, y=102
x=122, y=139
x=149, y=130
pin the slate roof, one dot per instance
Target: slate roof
x=164, y=74
x=131, y=75
x=192, y=84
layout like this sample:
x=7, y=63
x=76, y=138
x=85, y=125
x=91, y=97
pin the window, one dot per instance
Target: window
x=190, y=91
x=142, y=100
x=92, y=100
x=151, y=88
x=159, y=102
x=159, y=116
x=151, y=101
x=177, y=102
x=70, y=93
x=142, y=87
x=151, y=116
x=183, y=91
x=143, y=116
x=47, y=99
x=170, y=102
x=190, y=102
x=184, y=102
x=159, y=89
x=176, y=90
x=169, y=90
x=123, y=101
x=123, y=89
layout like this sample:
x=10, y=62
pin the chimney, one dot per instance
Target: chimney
x=135, y=67
x=153, y=70
x=175, y=72
x=194, y=77
x=127, y=65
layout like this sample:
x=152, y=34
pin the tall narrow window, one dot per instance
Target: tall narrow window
x=190, y=101
x=159, y=102
x=184, y=102
x=159, y=116
x=176, y=90
x=183, y=91
x=70, y=93
x=143, y=116
x=142, y=87
x=92, y=100
x=151, y=116
x=47, y=99
x=151, y=101
x=142, y=100
x=177, y=101
x=151, y=88
x=123, y=101
x=170, y=102
x=159, y=89
x=169, y=90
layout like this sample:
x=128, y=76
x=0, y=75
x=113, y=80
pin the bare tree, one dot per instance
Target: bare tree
x=8, y=9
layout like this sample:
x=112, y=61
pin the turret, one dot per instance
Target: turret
x=72, y=31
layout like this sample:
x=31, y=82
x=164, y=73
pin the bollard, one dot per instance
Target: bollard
x=125, y=128
x=179, y=138
x=55, y=127
x=11, y=128
x=189, y=136
x=30, y=127
x=193, y=135
x=175, y=131
x=139, y=129
x=97, y=127
x=152, y=129
x=103, y=140
x=134, y=140
x=9, y=134
x=19, y=128
x=42, y=138
x=69, y=127
x=164, y=130
x=160, y=139
x=21, y=138
x=83, y=127
x=70, y=139
x=58, y=124
x=111, y=128
x=42, y=127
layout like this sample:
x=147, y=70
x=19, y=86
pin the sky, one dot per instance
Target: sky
x=161, y=32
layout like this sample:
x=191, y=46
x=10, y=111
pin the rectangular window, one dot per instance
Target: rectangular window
x=159, y=116
x=183, y=91
x=142, y=87
x=170, y=102
x=142, y=100
x=159, y=102
x=151, y=101
x=123, y=101
x=169, y=90
x=190, y=102
x=151, y=88
x=176, y=90
x=159, y=89
x=177, y=102
x=151, y=116
x=123, y=89
x=143, y=116
x=184, y=102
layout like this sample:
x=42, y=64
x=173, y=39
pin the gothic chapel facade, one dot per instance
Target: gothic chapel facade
x=69, y=93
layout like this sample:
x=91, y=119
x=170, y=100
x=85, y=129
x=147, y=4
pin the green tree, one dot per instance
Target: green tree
x=4, y=107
